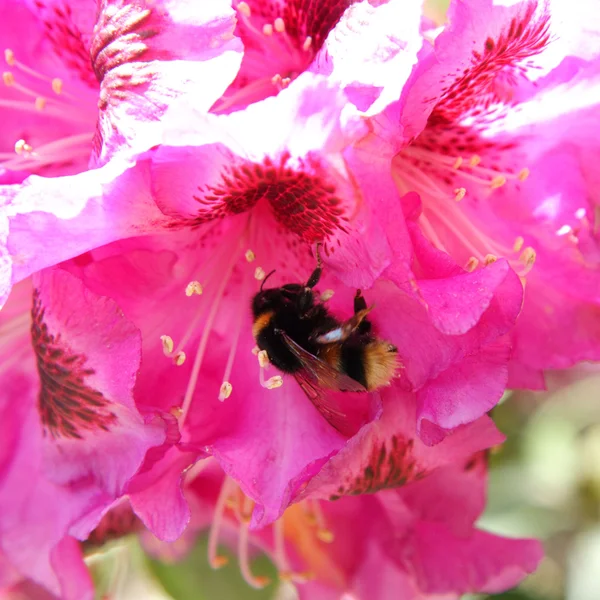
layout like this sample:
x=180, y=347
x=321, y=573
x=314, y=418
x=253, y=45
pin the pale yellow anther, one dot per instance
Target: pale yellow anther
x=255, y=350
x=259, y=274
x=167, y=344
x=267, y=29
x=276, y=79
x=179, y=358
x=274, y=382
x=176, y=411
x=244, y=9
x=497, y=182
x=40, y=103
x=459, y=194
x=327, y=295
x=528, y=256
x=523, y=174
x=263, y=359
x=279, y=25
x=325, y=535
x=307, y=44
x=250, y=256
x=219, y=561
x=57, y=85
x=225, y=391
x=193, y=287
x=472, y=264
x=518, y=244
x=22, y=147
x=9, y=57
x=285, y=82
x=474, y=160
x=8, y=78
x=457, y=163
x=490, y=259
x=261, y=581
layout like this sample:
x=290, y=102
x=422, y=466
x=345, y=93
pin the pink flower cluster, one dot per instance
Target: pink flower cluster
x=160, y=157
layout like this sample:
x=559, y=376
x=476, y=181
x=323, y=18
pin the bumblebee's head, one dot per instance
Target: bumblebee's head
x=265, y=301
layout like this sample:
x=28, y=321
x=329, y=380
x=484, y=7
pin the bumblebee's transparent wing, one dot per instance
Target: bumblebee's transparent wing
x=320, y=373
x=331, y=413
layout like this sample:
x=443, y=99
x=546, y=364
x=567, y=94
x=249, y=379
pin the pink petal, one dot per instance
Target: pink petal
x=95, y=349
x=463, y=393
x=87, y=211
x=481, y=562
x=387, y=454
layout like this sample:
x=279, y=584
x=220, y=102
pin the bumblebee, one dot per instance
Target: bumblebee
x=302, y=338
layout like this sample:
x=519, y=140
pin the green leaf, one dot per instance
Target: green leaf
x=193, y=579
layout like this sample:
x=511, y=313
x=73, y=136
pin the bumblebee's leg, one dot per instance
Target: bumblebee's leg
x=360, y=308
x=306, y=298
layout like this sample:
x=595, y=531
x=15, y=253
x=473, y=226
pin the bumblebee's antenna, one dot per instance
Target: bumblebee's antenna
x=265, y=279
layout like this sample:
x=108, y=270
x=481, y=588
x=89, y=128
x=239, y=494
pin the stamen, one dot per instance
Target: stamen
x=498, y=181
x=326, y=295
x=40, y=103
x=255, y=350
x=195, y=373
x=57, y=85
x=9, y=57
x=193, y=287
x=518, y=244
x=259, y=274
x=325, y=535
x=315, y=514
x=490, y=259
x=528, y=257
x=215, y=560
x=8, y=78
x=250, y=256
x=457, y=163
x=226, y=387
x=273, y=382
x=244, y=9
x=263, y=359
x=472, y=264
x=307, y=44
x=257, y=582
x=179, y=358
x=21, y=147
x=474, y=160
x=459, y=194
x=279, y=25
x=267, y=29
x=167, y=344
x=523, y=174
x=225, y=391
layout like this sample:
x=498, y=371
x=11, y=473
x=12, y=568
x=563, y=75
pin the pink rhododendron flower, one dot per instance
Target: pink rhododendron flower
x=413, y=542
x=71, y=435
x=493, y=131
x=339, y=38
x=234, y=216
x=73, y=69
x=82, y=85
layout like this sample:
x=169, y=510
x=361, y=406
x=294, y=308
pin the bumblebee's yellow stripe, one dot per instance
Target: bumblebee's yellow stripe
x=261, y=322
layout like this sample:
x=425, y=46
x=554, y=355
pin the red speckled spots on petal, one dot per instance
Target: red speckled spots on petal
x=314, y=18
x=391, y=465
x=68, y=407
x=68, y=40
x=301, y=199
x=494, y=67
